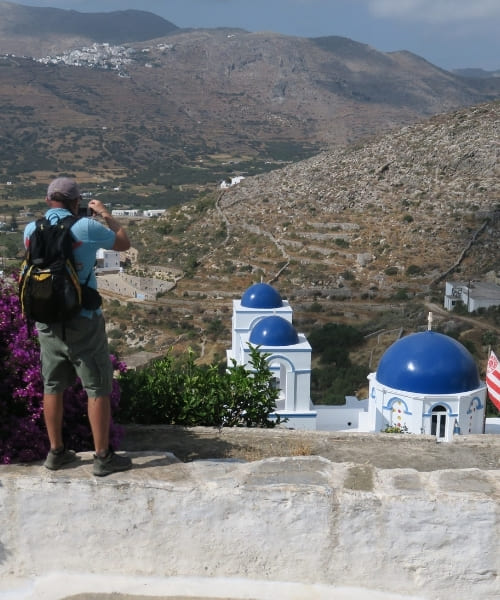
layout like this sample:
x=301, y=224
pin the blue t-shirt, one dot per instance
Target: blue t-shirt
x=90, y=235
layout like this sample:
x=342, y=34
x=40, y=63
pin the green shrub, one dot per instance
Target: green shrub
x=180, y=392
x=401, y=294
x=315, y=307
x=413, y=270
x=348, y=275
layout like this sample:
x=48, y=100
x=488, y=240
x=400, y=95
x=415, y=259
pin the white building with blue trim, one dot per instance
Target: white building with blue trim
x=261, y=318
x=425, y=383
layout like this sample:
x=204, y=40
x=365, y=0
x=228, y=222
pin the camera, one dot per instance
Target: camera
x=85, y=211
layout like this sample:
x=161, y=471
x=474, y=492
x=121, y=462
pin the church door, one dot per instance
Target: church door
x=439, y=420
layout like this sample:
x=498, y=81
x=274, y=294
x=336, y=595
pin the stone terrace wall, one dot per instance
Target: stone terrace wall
x=132, y=286
x=300, y=519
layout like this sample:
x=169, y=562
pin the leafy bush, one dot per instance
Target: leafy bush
x=489, y=338
x=348, y=275
x=401, y=294
x=23, y=436
x=413, y=270
x=180, y=392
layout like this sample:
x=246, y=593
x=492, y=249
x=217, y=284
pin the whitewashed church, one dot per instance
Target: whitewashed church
x=425, y=383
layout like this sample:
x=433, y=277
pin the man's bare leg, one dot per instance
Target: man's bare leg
x=53, y=415
x=99, y=411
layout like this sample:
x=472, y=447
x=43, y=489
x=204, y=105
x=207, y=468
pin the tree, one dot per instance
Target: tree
x=333, y=341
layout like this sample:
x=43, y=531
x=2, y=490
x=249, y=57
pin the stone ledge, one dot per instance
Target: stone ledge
x=382, y=450
x=165, y=469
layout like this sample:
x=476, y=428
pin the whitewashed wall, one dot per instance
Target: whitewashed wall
x=301, y=519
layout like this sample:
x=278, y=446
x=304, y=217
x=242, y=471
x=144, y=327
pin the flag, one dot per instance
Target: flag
x=493, y=379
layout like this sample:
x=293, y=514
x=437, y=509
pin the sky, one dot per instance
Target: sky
x=451, y=34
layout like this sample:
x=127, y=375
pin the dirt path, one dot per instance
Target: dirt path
x=474, y=322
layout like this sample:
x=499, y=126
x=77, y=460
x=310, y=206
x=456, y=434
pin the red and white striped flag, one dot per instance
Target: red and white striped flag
x=493, y=379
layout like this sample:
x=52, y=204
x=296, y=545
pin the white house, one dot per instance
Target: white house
x=133, y=212
x=108, y=260
x=473, y=295
x=157, y=212
x=425, y=383
x=230, y=181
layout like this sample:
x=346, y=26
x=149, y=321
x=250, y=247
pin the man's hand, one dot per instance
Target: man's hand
x=122, y=242
x=98, y=207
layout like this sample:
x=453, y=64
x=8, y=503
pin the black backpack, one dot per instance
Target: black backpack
x=49, y=289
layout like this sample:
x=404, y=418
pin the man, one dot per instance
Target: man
x=81, y=346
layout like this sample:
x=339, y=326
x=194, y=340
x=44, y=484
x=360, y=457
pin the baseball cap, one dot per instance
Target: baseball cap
x=64, y=186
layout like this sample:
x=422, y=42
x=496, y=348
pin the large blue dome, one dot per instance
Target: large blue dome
x=428, y=363
x=274, y=331
x=261, y=295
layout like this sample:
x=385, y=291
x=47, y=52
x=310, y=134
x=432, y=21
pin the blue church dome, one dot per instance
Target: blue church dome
x=261, y=295
x=274, y=331
x=428, y=363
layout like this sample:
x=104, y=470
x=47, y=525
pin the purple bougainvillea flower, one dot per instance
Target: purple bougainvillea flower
x=23, y=437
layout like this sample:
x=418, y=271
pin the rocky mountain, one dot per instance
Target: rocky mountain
x=477, y=73
x=402, y=211
x=365, y=234
x=109, y=110
x=36, y=31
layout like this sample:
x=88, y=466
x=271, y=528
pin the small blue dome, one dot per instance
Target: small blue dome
x=428, y=363
x=274, y=331
x=261, y=295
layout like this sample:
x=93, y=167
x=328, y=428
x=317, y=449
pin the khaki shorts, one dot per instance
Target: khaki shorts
x=81, y=350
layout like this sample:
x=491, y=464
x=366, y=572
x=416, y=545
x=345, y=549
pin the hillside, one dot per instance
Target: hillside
x=406, y=203
x=401, y=185
x=189, y=96
x=364, y=235
x=37, y=31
